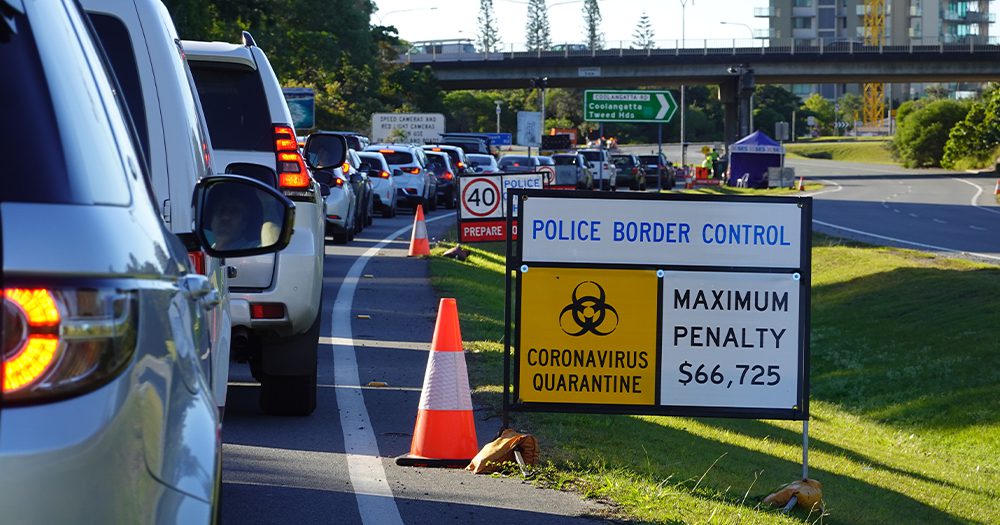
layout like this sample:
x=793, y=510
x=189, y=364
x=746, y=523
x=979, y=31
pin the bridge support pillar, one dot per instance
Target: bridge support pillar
x=729, y=96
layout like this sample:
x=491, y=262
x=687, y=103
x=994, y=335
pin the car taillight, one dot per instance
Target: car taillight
x=292, y=174
x=338, y=181
x=635, y=171
x=460, y=164
x=384, y=174
x=346, y=167
x=413, y=171
x=61, y=342
x=197, y=258
x=267, y=310
x=386, y=151
x=447, y=176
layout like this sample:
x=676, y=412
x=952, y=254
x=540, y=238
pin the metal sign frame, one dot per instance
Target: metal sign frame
x=513, y=322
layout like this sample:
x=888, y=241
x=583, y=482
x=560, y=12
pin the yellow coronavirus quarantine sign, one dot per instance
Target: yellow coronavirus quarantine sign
x=588, y=336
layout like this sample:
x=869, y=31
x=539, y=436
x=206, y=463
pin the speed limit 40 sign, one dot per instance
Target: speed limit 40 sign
x=483, y=204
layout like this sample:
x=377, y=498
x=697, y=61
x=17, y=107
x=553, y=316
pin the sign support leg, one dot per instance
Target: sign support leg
x=805, y=449
x=659, y=144
x=505, y=410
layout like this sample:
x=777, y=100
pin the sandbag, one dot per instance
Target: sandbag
x=501, y=450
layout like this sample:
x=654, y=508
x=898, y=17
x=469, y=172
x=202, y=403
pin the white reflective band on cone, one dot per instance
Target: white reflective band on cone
x=446, y=383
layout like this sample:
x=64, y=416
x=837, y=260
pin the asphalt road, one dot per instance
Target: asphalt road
x=337, y=466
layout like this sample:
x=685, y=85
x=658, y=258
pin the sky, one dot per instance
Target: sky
x=444, y=19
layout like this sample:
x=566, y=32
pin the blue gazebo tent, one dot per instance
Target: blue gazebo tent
x=751, y=156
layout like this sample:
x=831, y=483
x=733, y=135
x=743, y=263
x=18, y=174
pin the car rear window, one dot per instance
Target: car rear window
x=591, y=156
x=565, y=161
x=397, y=157
x=369, y=164
x=515, y=159
x=622, y=161
x=436, y=164
x=235, y=106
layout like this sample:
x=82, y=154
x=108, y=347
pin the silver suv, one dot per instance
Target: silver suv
x=106, y=414
x=275, y=300
x=414, y=184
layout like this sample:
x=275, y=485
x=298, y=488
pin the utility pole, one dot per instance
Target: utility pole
x=498, y=102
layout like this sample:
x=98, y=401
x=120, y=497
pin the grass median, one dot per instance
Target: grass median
x=905, y=403
x=870, y=151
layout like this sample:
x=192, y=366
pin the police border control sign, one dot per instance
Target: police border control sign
x=687, y=305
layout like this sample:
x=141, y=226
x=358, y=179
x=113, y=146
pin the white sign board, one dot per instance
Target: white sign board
x=730, y=339
x=700, y=233
x=592, y=71
x=407, y=127
x=529, y=128
x=485, y=196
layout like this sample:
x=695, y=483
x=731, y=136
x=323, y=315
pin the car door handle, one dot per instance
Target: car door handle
x=195, y=286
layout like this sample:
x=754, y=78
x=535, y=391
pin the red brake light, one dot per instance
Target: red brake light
x=414, y=171
x=29, y=347
x=386, y=151
x=435, y=149
x=338, y=181
x=447, y=176
x=384, y=174
x=460, y=164
x=197, y=258
x=293, y=180
x=267, y=310
x=284, y=139
x=346, y=167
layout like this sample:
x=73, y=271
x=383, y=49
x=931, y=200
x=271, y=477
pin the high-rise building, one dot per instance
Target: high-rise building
x=825, y=22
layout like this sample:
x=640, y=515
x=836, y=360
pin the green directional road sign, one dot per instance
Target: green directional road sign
x=610, y=105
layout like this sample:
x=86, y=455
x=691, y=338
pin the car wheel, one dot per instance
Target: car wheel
x=340, y=238
x=293, y=395
x=369, y=217
x=433, y=205
x=388, y=212
x=452, y=200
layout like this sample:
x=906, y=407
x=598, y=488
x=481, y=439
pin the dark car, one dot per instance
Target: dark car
x=439, y=163
x=459, y=161
x=519, y=164
x=657, y=164
x=470, y=142
x=630, y=172
x=358, y=177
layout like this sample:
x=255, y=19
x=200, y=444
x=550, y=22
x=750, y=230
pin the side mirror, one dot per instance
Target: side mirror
x=325, y=150
x=237, y=216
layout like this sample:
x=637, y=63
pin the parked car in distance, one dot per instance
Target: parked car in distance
x=484, y=164
x=518, y=164
x=572, y=48
x=275, y=299
x=600, y=165
x=656, y=164
x=630, y=172
x=439, y=163
x=572, y=169
x=139, y=39
x=470, y=142
x=414, y=184
x=106, y=413
x=383, y=184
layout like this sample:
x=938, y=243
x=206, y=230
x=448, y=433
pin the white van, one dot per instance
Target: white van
x=141, y=43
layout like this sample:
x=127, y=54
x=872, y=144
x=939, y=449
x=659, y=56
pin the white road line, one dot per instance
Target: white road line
x=975, y=196
x=939, y=221
x=977, y=228
x=375, y=501
x=911, y=243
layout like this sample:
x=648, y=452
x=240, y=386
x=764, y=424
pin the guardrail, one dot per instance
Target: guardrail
x=741, y=47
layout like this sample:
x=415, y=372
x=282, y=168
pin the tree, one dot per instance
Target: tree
x=921, y=136
x=592, y=24
x=974, y=141
x=489, y=32
x=822, y=109
x=851, y=107
x=644, y=35
x=539, y=38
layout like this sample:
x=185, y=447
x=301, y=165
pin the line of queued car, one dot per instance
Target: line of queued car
x=588, y=169
x=170, y=223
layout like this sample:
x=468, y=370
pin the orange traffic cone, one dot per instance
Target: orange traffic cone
x=802, y=183
x=445, y=433
x=418, y=239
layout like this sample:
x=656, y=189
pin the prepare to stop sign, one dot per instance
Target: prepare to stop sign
x=484, y=204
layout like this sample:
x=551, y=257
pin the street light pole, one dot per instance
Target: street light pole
x=683, y=103
x=498, y=102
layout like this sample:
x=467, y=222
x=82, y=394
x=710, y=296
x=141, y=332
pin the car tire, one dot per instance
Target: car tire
x=452, y=201
x=293, y=395
x=433, y=205
x=340, y=238
x=388, y=212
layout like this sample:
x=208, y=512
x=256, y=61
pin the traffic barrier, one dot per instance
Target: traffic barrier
x=445, y=432
x=419, y=245
x=996, y=190
x=802, y=183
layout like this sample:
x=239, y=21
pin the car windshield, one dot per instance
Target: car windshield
x=395, y=158
x=565, y=160
x=515, y=160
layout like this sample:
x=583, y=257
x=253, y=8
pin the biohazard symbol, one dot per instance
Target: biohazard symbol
x=589, y=313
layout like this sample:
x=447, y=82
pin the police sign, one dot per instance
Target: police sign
x=660, y=304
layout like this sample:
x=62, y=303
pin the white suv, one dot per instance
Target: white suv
x=139, y=38
x=275, y=299
x=603, y=169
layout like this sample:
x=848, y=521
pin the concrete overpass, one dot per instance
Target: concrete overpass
x=735, y=69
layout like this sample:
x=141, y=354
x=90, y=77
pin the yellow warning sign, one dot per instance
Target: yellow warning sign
x=588, y=336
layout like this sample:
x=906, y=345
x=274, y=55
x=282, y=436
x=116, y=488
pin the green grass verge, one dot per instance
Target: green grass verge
x=905, y=399
x=874, y=152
